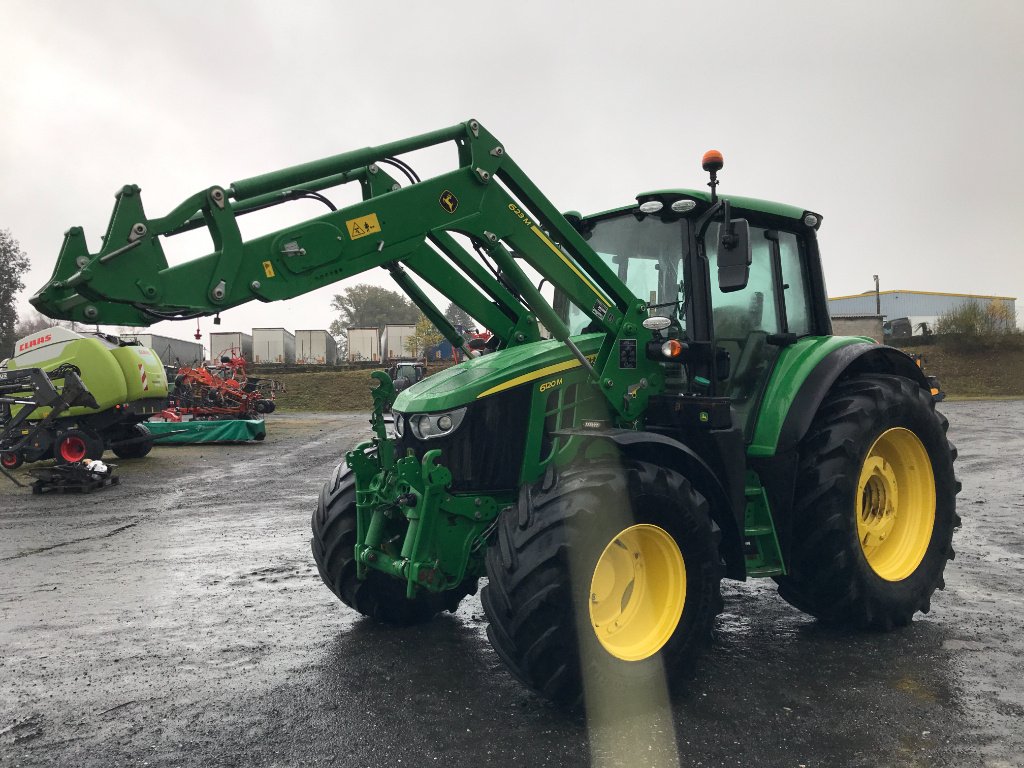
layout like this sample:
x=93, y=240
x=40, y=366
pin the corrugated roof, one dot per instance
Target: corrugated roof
x=923, y=293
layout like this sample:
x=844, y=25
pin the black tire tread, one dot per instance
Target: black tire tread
x=379, y=596
x=826, y=577
x=528, y=598
x=132, y=450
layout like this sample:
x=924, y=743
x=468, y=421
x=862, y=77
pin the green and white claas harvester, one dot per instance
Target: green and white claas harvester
x=70, y=395
x=662, y=405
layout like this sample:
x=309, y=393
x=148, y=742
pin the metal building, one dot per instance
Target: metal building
x=273, y=345
x=230, y=344
x=921, y=306
x=315, y=348
x=171, y=351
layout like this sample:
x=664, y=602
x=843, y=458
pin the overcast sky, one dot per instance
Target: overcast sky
x=900, y=122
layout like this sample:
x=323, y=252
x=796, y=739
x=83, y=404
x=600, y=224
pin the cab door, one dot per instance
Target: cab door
x=754, y=323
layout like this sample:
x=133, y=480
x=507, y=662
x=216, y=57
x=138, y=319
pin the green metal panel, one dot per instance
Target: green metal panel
x=560, y=401
x=489, y=374
x=795, y=363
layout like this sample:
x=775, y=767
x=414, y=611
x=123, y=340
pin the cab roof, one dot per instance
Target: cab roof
x=751, y=203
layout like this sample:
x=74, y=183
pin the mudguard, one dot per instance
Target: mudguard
x=726, y=511
x=777, y=468
x=850, y=360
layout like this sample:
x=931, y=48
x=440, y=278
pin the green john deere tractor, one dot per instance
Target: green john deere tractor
x=661, y=405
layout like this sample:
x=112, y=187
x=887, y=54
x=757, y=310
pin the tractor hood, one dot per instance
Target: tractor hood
x=490, y=374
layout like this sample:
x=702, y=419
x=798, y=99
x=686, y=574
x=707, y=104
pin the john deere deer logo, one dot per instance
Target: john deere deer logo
x=449, y=201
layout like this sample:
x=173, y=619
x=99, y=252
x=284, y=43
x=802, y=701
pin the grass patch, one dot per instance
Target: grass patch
x=980, y=373
x=326, y=391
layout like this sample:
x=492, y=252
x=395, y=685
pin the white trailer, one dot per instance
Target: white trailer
x=363, y=345
x=171, y=351
x=273, y=345
x=315, y=347
x=230, y=344
x=393, y=340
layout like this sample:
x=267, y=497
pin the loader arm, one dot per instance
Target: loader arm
x=487, y=198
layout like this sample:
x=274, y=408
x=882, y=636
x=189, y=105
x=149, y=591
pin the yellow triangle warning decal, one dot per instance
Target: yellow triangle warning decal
x=363, y=226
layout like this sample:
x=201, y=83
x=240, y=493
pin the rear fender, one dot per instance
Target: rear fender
x=778, y=468
x=843, y=362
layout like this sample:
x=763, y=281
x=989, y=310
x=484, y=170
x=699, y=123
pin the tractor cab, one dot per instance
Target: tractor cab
x=405, y=373
x=723, y=335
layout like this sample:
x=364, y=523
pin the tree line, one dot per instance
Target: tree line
x=371, y=306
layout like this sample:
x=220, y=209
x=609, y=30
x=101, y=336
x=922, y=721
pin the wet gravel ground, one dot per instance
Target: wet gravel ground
x=178, y=620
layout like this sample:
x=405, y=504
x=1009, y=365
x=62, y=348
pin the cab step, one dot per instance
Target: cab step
x=761, y=545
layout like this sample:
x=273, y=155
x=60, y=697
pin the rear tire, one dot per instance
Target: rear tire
x=132, y=450
x=378, y=596
x=557, y=619
x=74, y=445
x=875, y=506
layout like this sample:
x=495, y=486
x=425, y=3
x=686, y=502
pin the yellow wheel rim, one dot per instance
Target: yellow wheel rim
x=637, y=592
x=895, y=504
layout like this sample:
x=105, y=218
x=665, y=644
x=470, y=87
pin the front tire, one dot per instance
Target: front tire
x=11, y=460
x=75, y=445
x=875, y=506
x=378, y=596
x=609, y=575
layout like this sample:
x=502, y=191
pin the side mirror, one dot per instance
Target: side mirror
x=733, y=255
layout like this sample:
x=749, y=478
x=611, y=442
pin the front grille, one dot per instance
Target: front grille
x=486, y=452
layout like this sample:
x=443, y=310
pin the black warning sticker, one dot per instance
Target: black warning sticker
x=599, y=310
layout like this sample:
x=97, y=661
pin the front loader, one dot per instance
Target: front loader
x=661, y=405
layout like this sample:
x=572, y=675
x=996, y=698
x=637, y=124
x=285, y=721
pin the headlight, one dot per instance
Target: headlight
x=399, y=423
x=426, y=426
